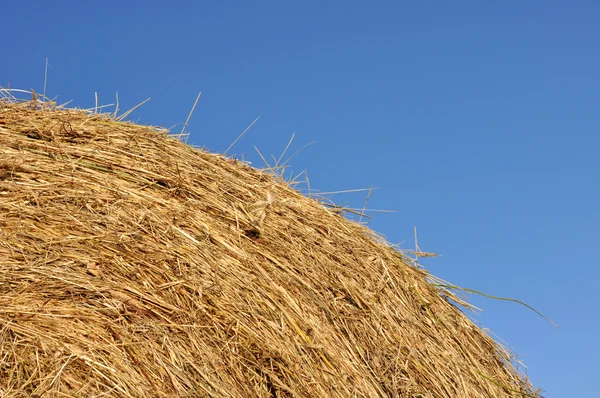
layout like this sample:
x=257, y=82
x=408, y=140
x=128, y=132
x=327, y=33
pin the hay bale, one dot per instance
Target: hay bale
x=133, y=265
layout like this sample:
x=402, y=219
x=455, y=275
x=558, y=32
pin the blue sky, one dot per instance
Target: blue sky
x=477, y=121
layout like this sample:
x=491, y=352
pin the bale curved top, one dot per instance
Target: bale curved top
x=134, y=265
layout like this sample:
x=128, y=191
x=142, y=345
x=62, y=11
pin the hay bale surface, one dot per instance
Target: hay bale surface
x=132, y=265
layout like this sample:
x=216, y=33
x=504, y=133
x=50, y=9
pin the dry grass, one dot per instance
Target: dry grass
x=132, y=265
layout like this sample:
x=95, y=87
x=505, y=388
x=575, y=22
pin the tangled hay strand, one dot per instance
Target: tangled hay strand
x=133, y=265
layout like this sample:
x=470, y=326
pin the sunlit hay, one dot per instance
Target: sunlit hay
x=136, y=266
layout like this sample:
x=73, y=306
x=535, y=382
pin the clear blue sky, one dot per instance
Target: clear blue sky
x=478, y=121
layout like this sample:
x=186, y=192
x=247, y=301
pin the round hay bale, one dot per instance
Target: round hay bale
x=133, y=265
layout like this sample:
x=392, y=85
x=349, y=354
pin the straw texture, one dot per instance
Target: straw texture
x=133, y=265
